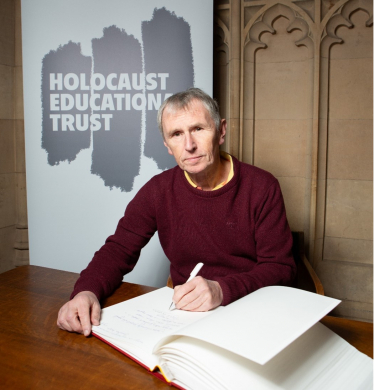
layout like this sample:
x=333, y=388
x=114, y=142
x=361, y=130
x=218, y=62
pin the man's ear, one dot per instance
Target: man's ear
x=167, y=147
x=222, y=132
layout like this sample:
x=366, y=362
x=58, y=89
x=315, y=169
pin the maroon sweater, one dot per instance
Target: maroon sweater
x=240, y=233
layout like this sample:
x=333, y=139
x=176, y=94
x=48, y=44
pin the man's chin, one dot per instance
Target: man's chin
x=193, y=168
x=193, y=171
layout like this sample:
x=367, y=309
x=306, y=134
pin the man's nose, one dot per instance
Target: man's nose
x=190, y=144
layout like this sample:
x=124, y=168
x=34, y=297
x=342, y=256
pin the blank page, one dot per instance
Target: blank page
x=260, y=325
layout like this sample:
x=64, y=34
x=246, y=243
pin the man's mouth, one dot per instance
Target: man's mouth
x=191, y=160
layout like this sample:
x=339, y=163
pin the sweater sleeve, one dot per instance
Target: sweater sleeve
x=274, y=260
x=121, y=251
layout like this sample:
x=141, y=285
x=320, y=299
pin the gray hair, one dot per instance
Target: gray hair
x=182, y=100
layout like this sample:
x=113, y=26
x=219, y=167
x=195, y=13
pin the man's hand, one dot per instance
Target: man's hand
x=78, y=314
x=199, y=294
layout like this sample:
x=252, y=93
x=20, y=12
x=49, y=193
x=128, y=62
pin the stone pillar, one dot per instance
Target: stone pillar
x=13, y=210
x=7, y=141
x=21, y=243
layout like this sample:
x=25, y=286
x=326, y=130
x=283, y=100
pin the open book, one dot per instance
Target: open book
x=270, y=339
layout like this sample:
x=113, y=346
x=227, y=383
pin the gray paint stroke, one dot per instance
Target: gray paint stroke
x=63, y=145
x=116, y=153
x=167, y=49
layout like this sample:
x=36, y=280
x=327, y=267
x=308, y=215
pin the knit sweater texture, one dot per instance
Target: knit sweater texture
x=240, y=232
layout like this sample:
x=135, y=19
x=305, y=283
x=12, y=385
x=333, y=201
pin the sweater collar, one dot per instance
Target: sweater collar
x=227, y=157
x=217, y=192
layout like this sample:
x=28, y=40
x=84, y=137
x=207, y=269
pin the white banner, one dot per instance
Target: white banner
x=94, y=74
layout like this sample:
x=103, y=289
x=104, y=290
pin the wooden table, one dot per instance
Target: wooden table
x=36, y=354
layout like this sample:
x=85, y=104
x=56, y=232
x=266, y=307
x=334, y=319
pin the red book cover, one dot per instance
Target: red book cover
x=157, y=374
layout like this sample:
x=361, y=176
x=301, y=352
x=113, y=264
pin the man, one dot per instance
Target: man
x=211, y=208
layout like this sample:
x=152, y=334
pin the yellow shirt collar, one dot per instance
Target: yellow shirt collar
x=227, y=157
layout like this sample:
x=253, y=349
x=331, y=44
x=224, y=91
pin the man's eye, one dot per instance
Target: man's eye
x=176, y=134
x=198, y=129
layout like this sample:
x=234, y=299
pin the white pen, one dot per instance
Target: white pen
x=194, y=272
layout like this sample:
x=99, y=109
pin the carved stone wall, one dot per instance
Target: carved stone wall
x=294, y=80
x=13, y=210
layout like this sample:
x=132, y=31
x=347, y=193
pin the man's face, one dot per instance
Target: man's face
x=191, y=137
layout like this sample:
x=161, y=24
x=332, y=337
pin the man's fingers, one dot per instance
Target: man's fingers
x=68, y=320
x=95, y=314
x=189, y=295
x=77, y=314
x=196, y=300
x=85, y=320
x=189, y=300
x=88, y=309
x=180, y=292
x=198, y=295
x=192, y=305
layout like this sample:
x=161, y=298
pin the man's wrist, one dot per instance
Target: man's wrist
x=218, y=298
x=86, y=292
